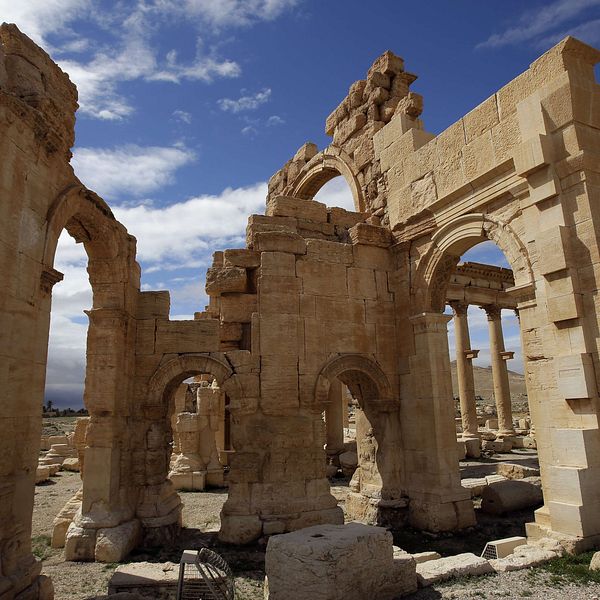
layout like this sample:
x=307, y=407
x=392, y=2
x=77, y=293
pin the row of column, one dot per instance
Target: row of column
x=464, y=369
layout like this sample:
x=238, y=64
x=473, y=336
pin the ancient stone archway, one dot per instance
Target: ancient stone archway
x=326, y=165
x=171, y=374
x=452, y=240
x=363, y=376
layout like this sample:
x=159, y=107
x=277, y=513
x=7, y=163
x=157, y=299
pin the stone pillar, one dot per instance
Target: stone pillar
x=437, y=500
x=334, y=418
x=464, y=369
x=498, y=357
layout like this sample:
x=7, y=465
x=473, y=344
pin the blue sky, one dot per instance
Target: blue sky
x=187, y=107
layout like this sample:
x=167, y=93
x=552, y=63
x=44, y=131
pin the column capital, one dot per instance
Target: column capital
x=459, y=307
x=492, y=311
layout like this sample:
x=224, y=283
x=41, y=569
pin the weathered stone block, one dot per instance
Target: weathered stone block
x=337, y=562
x=288, y=206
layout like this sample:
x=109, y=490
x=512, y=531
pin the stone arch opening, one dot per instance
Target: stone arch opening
x=377, y=434
x=321, y=169
x=197, y=464
x=460, y=283
x=105, y=497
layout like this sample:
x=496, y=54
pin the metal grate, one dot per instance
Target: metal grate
x=204, y=575
x=490, y=552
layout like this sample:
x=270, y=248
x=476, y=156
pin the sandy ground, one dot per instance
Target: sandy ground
x=201, y=520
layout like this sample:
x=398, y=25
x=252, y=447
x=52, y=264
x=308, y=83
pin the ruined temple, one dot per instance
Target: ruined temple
x=319, y=296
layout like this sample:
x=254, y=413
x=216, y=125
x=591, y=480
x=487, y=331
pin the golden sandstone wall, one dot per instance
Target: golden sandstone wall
x=317, y=295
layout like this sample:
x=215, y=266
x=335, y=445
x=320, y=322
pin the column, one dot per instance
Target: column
x=464, y=369
x=334, y=418
x=498, y=358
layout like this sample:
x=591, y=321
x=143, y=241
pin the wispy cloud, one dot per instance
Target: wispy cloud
x=126, y=49
x=548, y=23
x=246, y=102
x=182, y=116
x=275, y=120
x=129, y=169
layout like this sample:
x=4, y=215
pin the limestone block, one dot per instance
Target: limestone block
x=421, y=557
x=322, y=278
x=240, y=529
x=226, y=279
x=329, y=251
x=491, y=424
x=343, y=309
x=262, y=223
x=70, y=464
x=533, y=154
x=57, y=439
x=153, y=305
x=515, y=471
x=475, y=485
x=442, y=569
x=42, y=473
x=245, y=258
x=44, y=443
x=279, y=241
x=595, y=562
x=113, y=544
x=287, y=206
x=507, y=496
x=575, y=376
x=345, y=218
x=387, y=64
x=480, y=119
x=461, y=449
x=371, y=235
x=63, y=520
x=553, y=249
x=146, y=578
x=337, y=562
x=238, y=308
x=280, y=264
x=188, y=480
x=80, y=543
x=361, y=283
x=187, y=336
x=349, y=127
x=472, y=447
x=523, y=557
x=348, y=462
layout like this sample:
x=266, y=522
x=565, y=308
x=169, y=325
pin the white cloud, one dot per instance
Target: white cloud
x=245, y=103
x=184, y=234
x=249, y=130
x=336, y=192
x=226, y=13
x=127, y=50
x=37, y=18
x=130, y=169
x=275, y=120
x=539, y=22
x=182, y=116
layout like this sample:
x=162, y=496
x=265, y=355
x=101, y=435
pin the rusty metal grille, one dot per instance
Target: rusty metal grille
x=204, y=575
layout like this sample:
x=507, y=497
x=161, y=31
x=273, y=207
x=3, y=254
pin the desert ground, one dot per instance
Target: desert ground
x=77, y=581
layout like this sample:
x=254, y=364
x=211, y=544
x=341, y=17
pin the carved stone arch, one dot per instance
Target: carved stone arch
x=168, y=376
x=452, y=240
x=323, y=167
x=363, y=376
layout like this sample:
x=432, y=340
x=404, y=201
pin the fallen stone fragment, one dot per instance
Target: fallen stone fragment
x=434, y=571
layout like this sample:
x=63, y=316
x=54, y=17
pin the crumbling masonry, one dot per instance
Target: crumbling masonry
x=318, y=296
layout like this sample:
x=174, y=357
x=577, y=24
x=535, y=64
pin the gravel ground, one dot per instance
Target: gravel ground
x=77, y=581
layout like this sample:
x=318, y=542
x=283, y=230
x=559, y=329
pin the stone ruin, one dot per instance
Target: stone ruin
x=318, y=297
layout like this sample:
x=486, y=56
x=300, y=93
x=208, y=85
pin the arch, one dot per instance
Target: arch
x=322, y=168
x=452, y=240
x=363, y=376
x=88, y=219
x=167, y=377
